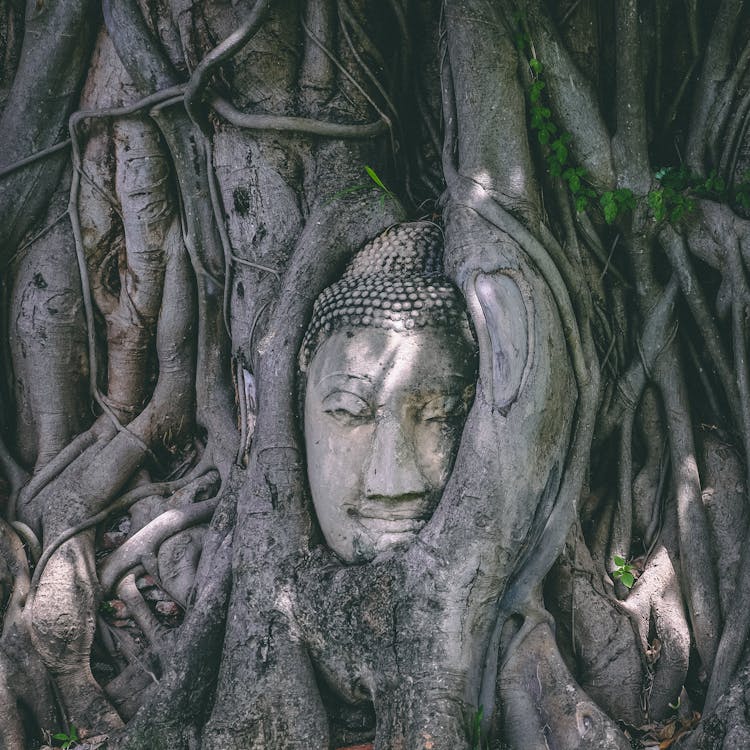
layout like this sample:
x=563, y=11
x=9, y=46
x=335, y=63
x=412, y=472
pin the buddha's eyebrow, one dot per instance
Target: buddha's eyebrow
x=347, y=375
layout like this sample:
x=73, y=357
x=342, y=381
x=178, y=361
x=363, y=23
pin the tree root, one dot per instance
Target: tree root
x=542, y=705
x=597, y=637
x=146, y=542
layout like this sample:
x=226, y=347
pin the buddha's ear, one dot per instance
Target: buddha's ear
x=502, y=312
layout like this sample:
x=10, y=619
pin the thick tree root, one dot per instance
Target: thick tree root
x=542, y=705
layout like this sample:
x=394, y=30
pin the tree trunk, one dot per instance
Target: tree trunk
x=199, y=200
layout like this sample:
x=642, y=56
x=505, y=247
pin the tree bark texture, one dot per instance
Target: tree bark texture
x=180, y=181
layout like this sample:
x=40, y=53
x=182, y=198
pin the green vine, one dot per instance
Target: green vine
x=670, y=202
x=554, y=141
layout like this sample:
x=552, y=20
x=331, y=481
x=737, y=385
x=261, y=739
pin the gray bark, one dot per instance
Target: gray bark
x=178, y=184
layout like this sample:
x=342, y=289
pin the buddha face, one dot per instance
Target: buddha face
x=384, y=412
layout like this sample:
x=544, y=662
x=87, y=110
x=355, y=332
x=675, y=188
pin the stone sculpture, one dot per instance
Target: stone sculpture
x=390, y=367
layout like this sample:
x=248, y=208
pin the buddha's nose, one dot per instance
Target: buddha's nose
x=392, y=471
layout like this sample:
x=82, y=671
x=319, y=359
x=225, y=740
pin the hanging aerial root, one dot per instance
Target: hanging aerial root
x=724, y=499
x=697, y=572
x=572, y=97
x=674, y=246
x=716, y=66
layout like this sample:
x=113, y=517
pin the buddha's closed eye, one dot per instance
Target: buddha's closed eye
x=443, y=408
x=347, y=408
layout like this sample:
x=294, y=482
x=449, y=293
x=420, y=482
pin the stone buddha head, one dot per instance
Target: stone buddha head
x=390, y=365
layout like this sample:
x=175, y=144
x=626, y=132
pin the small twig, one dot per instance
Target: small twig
x=103, y=193
x=346, y=16
x=30, y=538
x=569, y=12
x=350, y=77
x=13, y=258
x=226, y=244
x=259, y=266
x=609, y=257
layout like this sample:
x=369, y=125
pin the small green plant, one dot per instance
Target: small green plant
x=373, y=175
x=678, y=187
x=555, y=144
x=742, y=195
x=673, y=199
x=476, y=729
x=616, y=202
x=623, y=572
x=68, y=740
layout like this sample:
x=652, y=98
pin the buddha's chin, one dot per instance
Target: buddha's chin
x=377, y=535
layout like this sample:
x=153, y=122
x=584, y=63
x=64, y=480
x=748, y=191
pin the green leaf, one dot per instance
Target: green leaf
x=535, y=65
x=60, y=736
x=619, y=561
x=682, y=206
x=522, y=41
x=656, y=203
x=561, y=152
x=627, y=580
x=543, y=137
x=373, y=176
x=625, y=198
x=582, y=203
x=535, y=91
x=716, y=184
x=742, y=194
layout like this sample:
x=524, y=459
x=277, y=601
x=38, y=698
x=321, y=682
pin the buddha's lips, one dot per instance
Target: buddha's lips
x=389, y=526
x=395, y=515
